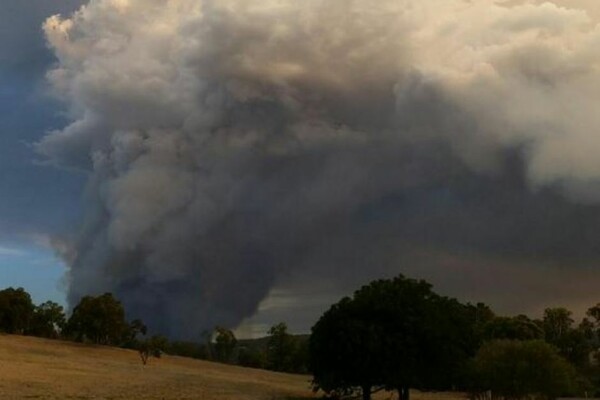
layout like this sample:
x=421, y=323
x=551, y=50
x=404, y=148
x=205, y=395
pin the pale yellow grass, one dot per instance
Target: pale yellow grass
x=45, y=369
x=32, y=368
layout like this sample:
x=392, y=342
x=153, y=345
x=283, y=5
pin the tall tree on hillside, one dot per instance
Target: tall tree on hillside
x=153, y=346
x=16, y=310
x=225, y=342
x=134, y=334
x=48, y=320
x=100, y=320
x=281, y=348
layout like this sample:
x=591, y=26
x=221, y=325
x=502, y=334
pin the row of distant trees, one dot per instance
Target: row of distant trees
x=102, y=320
x=18, y=315
x=98, y=320
x=399, y=334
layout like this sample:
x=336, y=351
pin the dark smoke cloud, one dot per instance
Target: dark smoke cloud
x=235, y=146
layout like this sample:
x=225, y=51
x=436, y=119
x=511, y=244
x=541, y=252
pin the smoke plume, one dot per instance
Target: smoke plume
x=234, y=144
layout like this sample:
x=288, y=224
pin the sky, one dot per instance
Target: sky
x=243, y=163
x=35, y=201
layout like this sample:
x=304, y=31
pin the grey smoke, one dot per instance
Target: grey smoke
x=234, y=145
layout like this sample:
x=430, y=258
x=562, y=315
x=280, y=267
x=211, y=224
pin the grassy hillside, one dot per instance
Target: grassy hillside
x=32, y=368
x=45, y=369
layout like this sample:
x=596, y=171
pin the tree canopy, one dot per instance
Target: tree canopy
x=16, y=310
x=225, y=342
x=520, y=327
x=100, y=320
x=516, y=369
x=281, y=349
x=393, y=334
x=48, y=320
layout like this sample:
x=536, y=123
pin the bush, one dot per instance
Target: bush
x=518, y=369
x=252, y=358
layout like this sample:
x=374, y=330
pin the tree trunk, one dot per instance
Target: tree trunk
x=403, y=393
x=366, y=392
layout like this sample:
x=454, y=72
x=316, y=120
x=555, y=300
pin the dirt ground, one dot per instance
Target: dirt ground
x=32, y=368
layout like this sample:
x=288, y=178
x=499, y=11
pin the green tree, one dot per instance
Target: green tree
x=591, y=325
x=345, y=351
x=16, y=310
x=557, y=323
x=153, y=346
x=594, y=313
x=48, y=320
x=513, y=328
x=133, y=334
x=100, y=320
x=517, y=369
x=573, y=343
x=281, y=348
x=225, y=342
x=395, y=334
x=300, y=359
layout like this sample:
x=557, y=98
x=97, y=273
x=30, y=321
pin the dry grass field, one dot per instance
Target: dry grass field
x=32, y=368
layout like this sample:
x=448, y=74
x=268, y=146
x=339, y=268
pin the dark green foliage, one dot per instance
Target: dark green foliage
x=301, y=356
x=137, y=327
x=393, y=333
x=16, y=310
x=517, y=369
x=281, y=349
x=513, y=328
x=153, y=346
x=48, y=320
x=100, y=320
x=575, y=344
x=254, y=352
x=346, y=350
x=251, y=357
x=557, y=324
x=132, y=338
x=225, y=342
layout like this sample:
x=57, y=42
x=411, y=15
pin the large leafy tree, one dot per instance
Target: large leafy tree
x=16, y=310
x=48, y=320
x=100, y=320
x=345, y=351
x=395, y=334
x=517, y=369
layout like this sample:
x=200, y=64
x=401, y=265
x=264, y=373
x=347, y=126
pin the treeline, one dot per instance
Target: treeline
x=97, y=320
x=398, y=335
x=394, y=335
x=102, y=320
